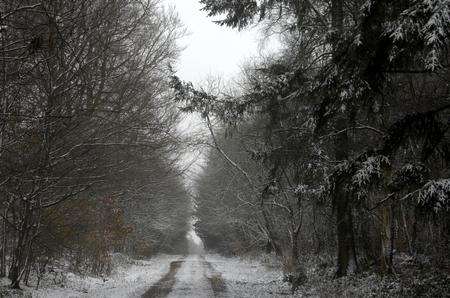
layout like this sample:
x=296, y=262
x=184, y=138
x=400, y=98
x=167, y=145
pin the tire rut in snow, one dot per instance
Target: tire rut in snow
x=164, y=286
x=215, y=279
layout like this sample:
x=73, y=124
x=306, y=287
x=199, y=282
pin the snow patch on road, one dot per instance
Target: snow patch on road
x=245, y=277
x=191, y=280
x=130, y=280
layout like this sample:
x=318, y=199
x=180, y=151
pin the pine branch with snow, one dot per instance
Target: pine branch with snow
x=425, y=22
x=435, y=195
x=369, y=172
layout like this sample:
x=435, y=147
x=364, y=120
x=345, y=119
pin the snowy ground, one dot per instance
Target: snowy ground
x=198, y=276
x=191, y=280
x=131, y=281
x=213, y=275
x=216, y=276
x=128, y=280
x=245, y=277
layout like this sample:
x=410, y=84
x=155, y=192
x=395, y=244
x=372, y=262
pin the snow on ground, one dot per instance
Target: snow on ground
x=128, y=280
x=191, y=280
x=217, y=276
x=246, y=277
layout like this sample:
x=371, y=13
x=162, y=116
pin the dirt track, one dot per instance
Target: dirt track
x=191, y=276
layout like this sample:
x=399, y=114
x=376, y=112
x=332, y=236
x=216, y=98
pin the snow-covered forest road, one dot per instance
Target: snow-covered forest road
x=206, y=275
x=215, y=276
x=212, y=275
x=191, y=276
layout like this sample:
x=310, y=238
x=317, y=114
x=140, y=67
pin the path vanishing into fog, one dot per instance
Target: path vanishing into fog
x=191, y=276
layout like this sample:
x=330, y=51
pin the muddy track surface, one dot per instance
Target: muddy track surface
x=164, y=286
x=192, y=276
x=215, y=279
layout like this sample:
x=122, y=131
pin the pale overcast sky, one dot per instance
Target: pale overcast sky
x=211, y=49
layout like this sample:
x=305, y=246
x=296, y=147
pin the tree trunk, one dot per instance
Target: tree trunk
x=273, y=238
x=23, y=247
x=294, y=245
x=4, y=244
x=414, y=232
x=346, y=257
x=406, y=229
x=337, y=16
x=385, y=237
x=392, y=240
x=4, y=110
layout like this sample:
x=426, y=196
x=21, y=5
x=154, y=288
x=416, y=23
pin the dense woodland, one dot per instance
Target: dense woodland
x=89, y=147
x=336, y=146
